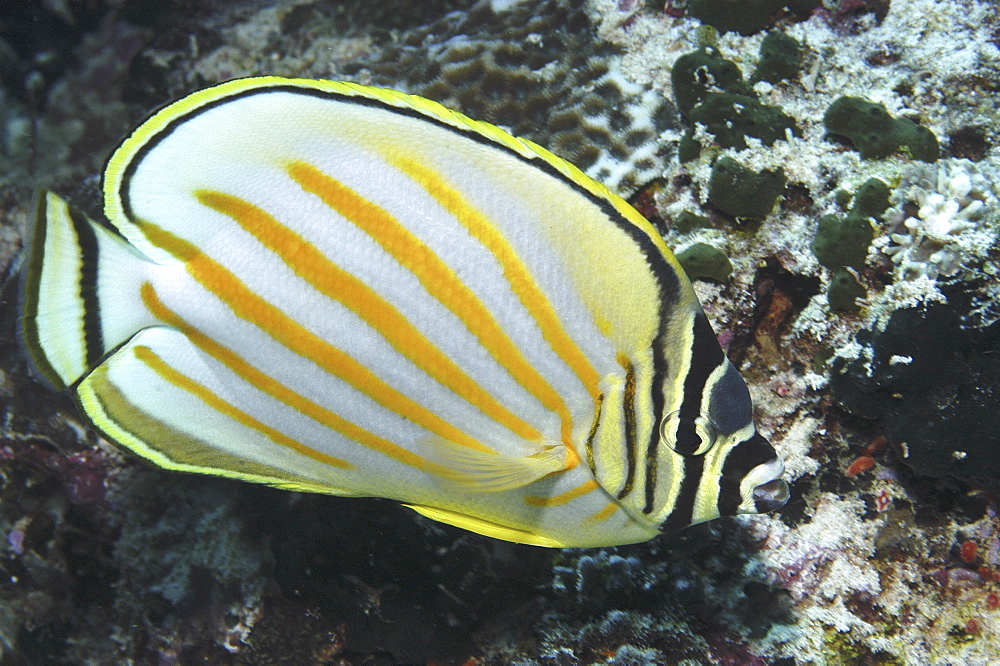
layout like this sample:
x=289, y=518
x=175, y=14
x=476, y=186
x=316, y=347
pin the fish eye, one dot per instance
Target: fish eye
x=668, y=429
x=706, y=429
x=686, y=441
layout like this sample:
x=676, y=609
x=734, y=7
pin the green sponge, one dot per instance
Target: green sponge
x=710, y=91
x=704, y=261
x=842, y=242
x=688, y=149
x=844, y=291
x=740, y=192
x=696, y=73
x=875, y=133
x=872, y=198
x=686, y=222
x=731, y=117
x=780, y=58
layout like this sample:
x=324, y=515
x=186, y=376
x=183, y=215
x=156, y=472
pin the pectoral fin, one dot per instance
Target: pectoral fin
x=485, y=472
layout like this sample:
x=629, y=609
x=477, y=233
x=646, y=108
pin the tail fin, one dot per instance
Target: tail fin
x=80, y=284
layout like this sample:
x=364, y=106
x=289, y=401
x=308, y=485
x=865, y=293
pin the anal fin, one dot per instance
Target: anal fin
x=485, y=527
x=159, y=396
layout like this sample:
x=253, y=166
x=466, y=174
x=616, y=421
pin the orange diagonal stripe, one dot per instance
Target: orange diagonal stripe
x=565, y=497
x=206, y=395
x=437, y=278
x=520, y=278
x=334, y=282
x=605, y=513
x=249, y=306
x=276, y=389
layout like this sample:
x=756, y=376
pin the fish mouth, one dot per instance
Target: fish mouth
x=769, y=496
x=762, y=488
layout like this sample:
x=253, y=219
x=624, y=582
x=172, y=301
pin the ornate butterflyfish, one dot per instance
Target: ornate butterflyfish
x=334, y=288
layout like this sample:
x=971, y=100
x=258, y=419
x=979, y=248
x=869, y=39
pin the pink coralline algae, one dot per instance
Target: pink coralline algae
x=725, y=339
x=847, y=6
x=86, y=473
x=883, y=501
x=15, y=539
x=845, y=10
x=959, y=577
x=860, y=465
x=674, y=9
x=83, y=474
x=968, y=551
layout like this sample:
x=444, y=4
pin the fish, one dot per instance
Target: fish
x=334, y=288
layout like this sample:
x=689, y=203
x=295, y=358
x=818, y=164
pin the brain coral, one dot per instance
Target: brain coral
x=541, y=71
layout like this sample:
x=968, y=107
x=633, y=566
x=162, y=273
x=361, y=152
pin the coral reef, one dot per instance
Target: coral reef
x=58, y=120
x=877, y=382
x=945, y=219
x=535, y=68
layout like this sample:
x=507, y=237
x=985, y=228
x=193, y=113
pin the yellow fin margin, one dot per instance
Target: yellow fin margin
x=115, y=173
x=484, y=527
x=127, y=424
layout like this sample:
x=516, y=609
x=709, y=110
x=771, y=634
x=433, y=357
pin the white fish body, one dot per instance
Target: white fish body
x=334, y=288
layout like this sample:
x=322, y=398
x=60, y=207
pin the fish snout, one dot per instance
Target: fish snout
x=762, y=488
x=769, y=496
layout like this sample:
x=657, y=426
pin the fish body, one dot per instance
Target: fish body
x=333, y=288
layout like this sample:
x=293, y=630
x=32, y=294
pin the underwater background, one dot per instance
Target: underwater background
x=828, y=173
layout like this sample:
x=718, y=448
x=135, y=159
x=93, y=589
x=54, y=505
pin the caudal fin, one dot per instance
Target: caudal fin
x=80, y=282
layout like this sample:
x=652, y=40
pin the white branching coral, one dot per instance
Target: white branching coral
x=945, y=218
